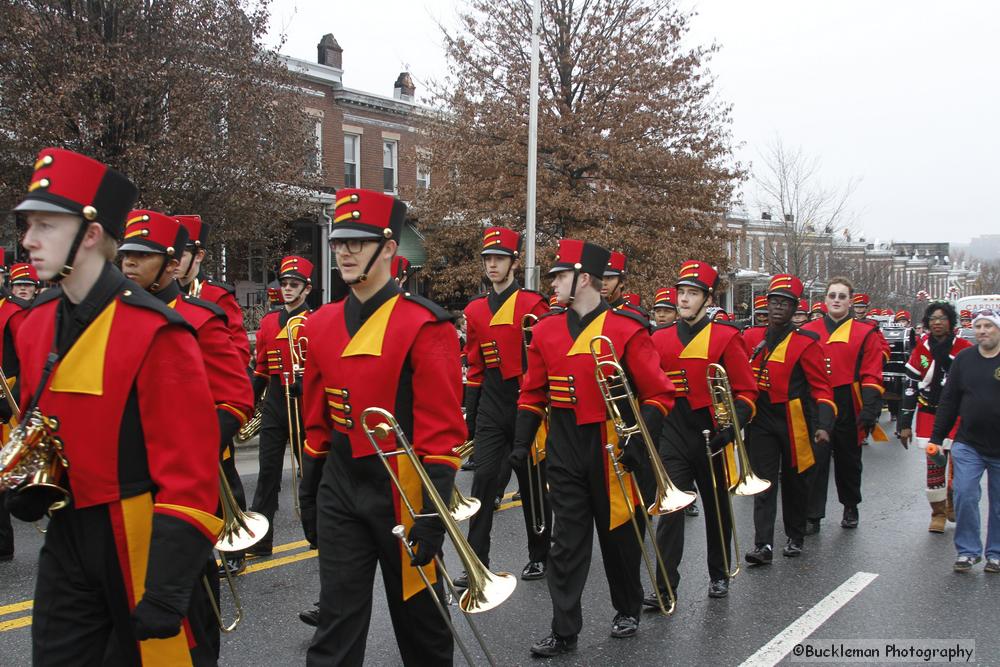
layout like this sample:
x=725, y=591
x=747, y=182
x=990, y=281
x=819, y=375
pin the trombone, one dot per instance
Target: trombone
x=252, y=427
x=748, y=483
x=298, y=345
x=461, y=506
x=240, y=531
x=486, y=589
x=618, y=394
x=536, y=486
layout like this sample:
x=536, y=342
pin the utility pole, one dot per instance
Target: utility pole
x=531, y=267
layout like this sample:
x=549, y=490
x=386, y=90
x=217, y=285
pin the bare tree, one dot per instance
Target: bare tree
x=787, y=187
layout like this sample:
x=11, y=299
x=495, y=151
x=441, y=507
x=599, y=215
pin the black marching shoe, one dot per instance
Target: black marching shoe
x=533, y=570
x=310, y=616
x=624, y=626
x=497, y=502
x=259, y=551
x=652, y=604
x=850, y=519
x=516, y=498
x=235, y=565
x=718, y=588
x=553, y=645
x=761, y=555
x=469, y=464
x=792, y=549
x=692, y=510
x=461, y=581
x=812, y=526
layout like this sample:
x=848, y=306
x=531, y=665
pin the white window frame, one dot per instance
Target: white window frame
x=357, y=159
x=394, y=143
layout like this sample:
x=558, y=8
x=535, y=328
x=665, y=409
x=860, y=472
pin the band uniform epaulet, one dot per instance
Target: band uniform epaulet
x=50, y=294
x=532, y=291
x=807, y=333
x=660, y=327
x=223, y=286
x=134, y=295
x=625, y=312
x=731, y=325
x=552, y=313
x=208, y=305
x=19, y=302
x=440, y=313
x=481, y=295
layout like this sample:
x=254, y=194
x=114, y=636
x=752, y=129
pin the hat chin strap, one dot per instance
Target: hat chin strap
x=368, y=267
x=155, y=286
x=71, y=255
x=572, y=288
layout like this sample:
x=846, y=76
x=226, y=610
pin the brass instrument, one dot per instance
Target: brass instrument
x=748, y=483
x=461, y=506
x=297, y=347
x=536, y=488
x=32, y=462
x=240, y=531
x=252, y=427
x=616, y=390
x=194, y=289
x=486, y=589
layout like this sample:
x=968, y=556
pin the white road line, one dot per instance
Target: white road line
x=772, y=652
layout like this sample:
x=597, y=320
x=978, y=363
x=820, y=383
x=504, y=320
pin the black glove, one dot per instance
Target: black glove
x=633, y=457
x=28, y=507
x=472, y=394
x=295, y=388
x=743, y=412
x=259, y=385
x=721, y=439
x=871, y=407
x=5, y=411
x=653, y=418
x=312, y=473
x=525, y=429
x=426, y=537
x=154, y=620
x=229, y=426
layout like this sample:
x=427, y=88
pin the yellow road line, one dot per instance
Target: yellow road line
x=277, y=562
x=291, y=545
x=17, y=606
x=15, y=624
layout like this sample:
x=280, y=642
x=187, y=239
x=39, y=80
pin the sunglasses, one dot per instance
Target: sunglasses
x=837, y=296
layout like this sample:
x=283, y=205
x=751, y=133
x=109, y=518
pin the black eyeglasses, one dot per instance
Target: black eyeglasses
x=353, y=246
x=835, y=296
x=937, y=318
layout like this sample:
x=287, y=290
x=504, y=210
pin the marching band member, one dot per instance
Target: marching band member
x=118, y=570
x=583, y=496
x=801, y=315
x=853, y=350
x=274, y=373
x=760, y=311
x=400, y=270
x=686, y=349
x=494, y=349
x=378, y=347
x=926, y=372
x=965, y=319
x=817, y=311
x=664, y=306
x=13, y=308
x=221, y=294
x=613, y=286
x=794, y=408
x=150, y=257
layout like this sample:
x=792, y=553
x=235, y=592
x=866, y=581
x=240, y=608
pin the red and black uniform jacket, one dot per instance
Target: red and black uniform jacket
x=227, y=379
x=494, y=350
x=686, y=351
x=621, y=304
x=138, y=426
x=560, y=377
x=795, y=398
x=752, y=336
x=12, y=314
x=926, y=372
x=886, y=348
x=398, y=352
x=854, y=359
x=274, y=356
x=224, y=296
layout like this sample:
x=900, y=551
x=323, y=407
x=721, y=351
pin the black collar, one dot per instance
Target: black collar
x=357, y=312
x=284, y=315
x=831, y=324
x=577, y=324
x=169, y=293
x=73, y=319
x=774, y=336
x=686, y=332
x=495, y=300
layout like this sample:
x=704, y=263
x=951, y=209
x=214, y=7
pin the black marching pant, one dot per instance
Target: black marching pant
x=579, y=498
x=771, y=458
x=6, y=529
x=355, y=519
x=494, y=440
x=846, y=452
x=684, y=455
x=82, y=613
x=271, y=454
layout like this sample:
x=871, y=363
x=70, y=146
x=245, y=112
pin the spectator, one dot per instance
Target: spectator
x=972, y=392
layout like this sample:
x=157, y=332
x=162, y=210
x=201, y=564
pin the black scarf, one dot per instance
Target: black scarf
x=941, y=352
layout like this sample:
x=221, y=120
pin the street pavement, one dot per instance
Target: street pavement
x=906, y=590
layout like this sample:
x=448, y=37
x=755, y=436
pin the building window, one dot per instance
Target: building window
x=317, y=165
x=390, y=166
x=423, y=176
x=352, y=160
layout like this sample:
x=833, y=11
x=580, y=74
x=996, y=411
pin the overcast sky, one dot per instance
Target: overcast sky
x=900, y=95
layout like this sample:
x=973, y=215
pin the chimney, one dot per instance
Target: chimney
x=404, y=89
x=765, y=216
x=330, y=53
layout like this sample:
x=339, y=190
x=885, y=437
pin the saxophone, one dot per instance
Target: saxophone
x=32, y=463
